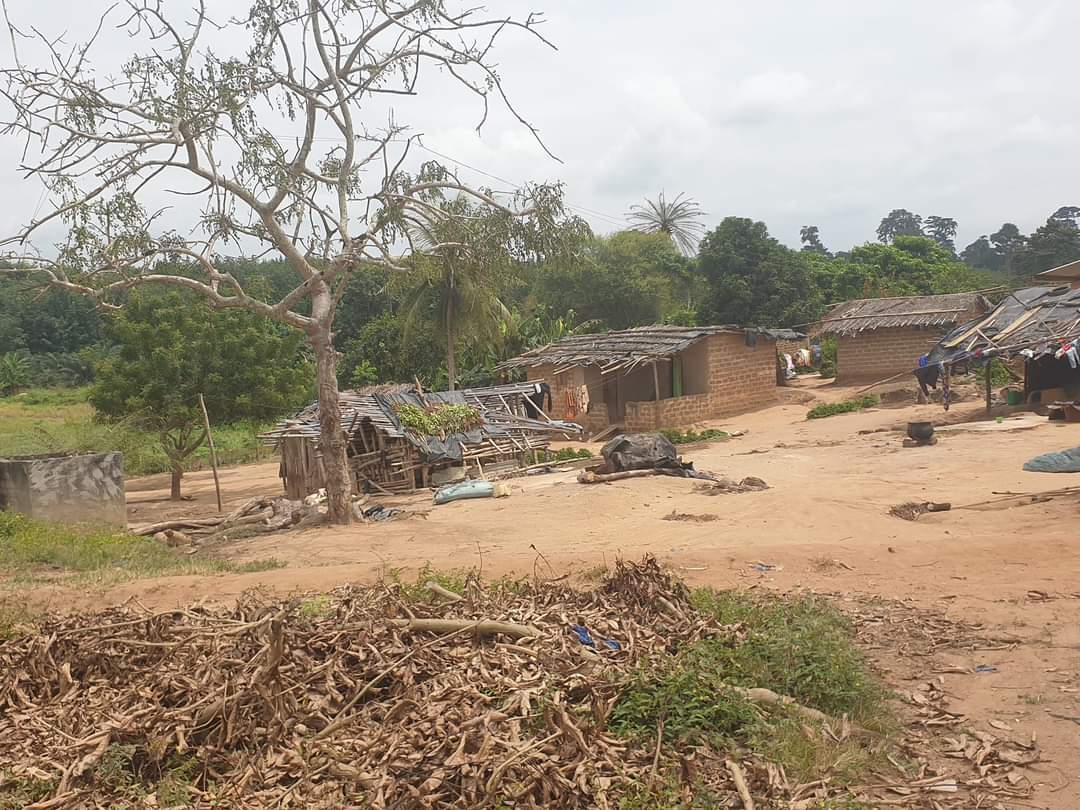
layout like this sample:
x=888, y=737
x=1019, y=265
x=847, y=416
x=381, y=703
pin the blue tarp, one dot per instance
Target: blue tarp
x=1065, y=461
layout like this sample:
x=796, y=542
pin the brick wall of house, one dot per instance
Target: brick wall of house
x=875, y=355
x=740, y=378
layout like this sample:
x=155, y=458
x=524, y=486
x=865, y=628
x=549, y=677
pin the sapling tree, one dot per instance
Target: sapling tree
x=190, y=113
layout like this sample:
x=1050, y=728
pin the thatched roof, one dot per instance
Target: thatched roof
x=867, y=314
x=500, y=407
x=1036, y=318
x=621, y=349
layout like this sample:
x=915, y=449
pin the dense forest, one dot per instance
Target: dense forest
x=397, y=326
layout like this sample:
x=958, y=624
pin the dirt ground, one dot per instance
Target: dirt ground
x=823, y=525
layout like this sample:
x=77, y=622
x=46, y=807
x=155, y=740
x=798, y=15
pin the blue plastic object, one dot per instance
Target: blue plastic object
x=585, y=637
x=1064, y=462
x=464, y=490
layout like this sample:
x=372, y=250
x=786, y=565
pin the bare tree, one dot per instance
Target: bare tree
x=179, y=117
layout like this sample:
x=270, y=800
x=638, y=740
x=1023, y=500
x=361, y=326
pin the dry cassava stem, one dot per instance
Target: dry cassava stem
x=739, y=778
x=478, y=627
x=445, y=593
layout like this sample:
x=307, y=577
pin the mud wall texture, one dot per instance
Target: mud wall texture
x=65, y=489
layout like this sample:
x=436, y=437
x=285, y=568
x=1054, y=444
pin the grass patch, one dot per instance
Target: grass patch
x=562, y=454
x=800, y=647
x=18, y=791
x=29, y=549
x=15, y=619
x=848, y=406
x=676, y=436
x=54, y=420
x=417, y=591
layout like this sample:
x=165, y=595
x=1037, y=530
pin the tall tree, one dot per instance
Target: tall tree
x=626, y=279
x=173, y=347
x=942, y=230
x=1051, y=245
x=1007, y=241
x=811, y=240
x=753, y=279
x=899, y=222
x=333, y=196
x=680, y=219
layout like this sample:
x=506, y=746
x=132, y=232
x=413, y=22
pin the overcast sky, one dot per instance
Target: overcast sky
x=829, y=112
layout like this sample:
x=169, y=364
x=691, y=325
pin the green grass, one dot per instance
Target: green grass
x=17, y=791
x=30, y=551
x=676, y=436
x=417, y=591
x=833, y=408
x=799, y=647
x=53, y=420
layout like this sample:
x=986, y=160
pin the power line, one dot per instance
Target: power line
x=609, y=219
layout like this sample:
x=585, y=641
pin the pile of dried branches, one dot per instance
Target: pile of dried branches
x=361, y=698
x=254, y=516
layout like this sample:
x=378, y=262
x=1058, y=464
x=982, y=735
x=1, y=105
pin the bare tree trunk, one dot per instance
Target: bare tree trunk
x=451, y=355
x=174, y=485
x=331, y=437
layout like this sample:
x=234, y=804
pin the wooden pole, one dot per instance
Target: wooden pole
x=213, y=451
x=989, y=370
x=656, y=381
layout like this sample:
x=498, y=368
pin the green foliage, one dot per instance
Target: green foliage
x=999, y=373
x=172, y=347
x=14, y=372
x=802, y=647
x=676, y=436
x=45, y=420
x=754, y=280
x=18, y=792
x=381, y=350
x=454, y=580
x=570, y=454
x=679, y=220
x=695, y=705
x=28, y=547
x=626, y=279
x=439, y=420
x=848, y=406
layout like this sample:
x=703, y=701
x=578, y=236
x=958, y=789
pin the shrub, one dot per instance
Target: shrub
x=676, y=436
x=833, y=408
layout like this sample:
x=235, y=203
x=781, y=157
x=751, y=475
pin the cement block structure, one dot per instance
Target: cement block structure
x=86, y=488
x=653, y=377
x=880, y=337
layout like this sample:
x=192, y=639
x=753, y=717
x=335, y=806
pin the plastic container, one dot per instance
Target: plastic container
x=1014, y=397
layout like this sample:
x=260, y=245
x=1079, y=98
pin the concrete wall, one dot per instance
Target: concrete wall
x=875, y=355
x=66, y=489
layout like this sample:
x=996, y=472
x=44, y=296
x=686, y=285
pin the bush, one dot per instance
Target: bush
x=676, y=436
x=833, y=408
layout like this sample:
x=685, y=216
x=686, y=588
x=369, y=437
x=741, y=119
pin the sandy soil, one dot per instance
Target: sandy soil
x=824, y=523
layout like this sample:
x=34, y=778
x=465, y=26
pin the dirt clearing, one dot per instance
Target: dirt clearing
x=1012, y=570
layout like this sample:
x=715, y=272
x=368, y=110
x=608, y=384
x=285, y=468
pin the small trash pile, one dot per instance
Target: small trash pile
x=636, y=455
x=375, y=696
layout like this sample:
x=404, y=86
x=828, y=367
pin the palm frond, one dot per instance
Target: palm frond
x=679, y=219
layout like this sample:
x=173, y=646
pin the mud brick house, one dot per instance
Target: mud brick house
x=879, y=337
x=652, y=377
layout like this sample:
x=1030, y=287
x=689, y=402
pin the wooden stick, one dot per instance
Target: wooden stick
x=478, y=627
x=213, y=452
x=882, y=382
x=154, y=528
x=740, y=784
x=445, y=593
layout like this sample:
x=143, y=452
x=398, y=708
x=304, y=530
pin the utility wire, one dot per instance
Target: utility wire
x=607, y=218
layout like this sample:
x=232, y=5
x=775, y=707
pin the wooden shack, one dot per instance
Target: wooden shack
x=386, y=456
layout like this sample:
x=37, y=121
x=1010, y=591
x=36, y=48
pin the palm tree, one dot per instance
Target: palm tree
x=678, y=219
x=458, y=284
